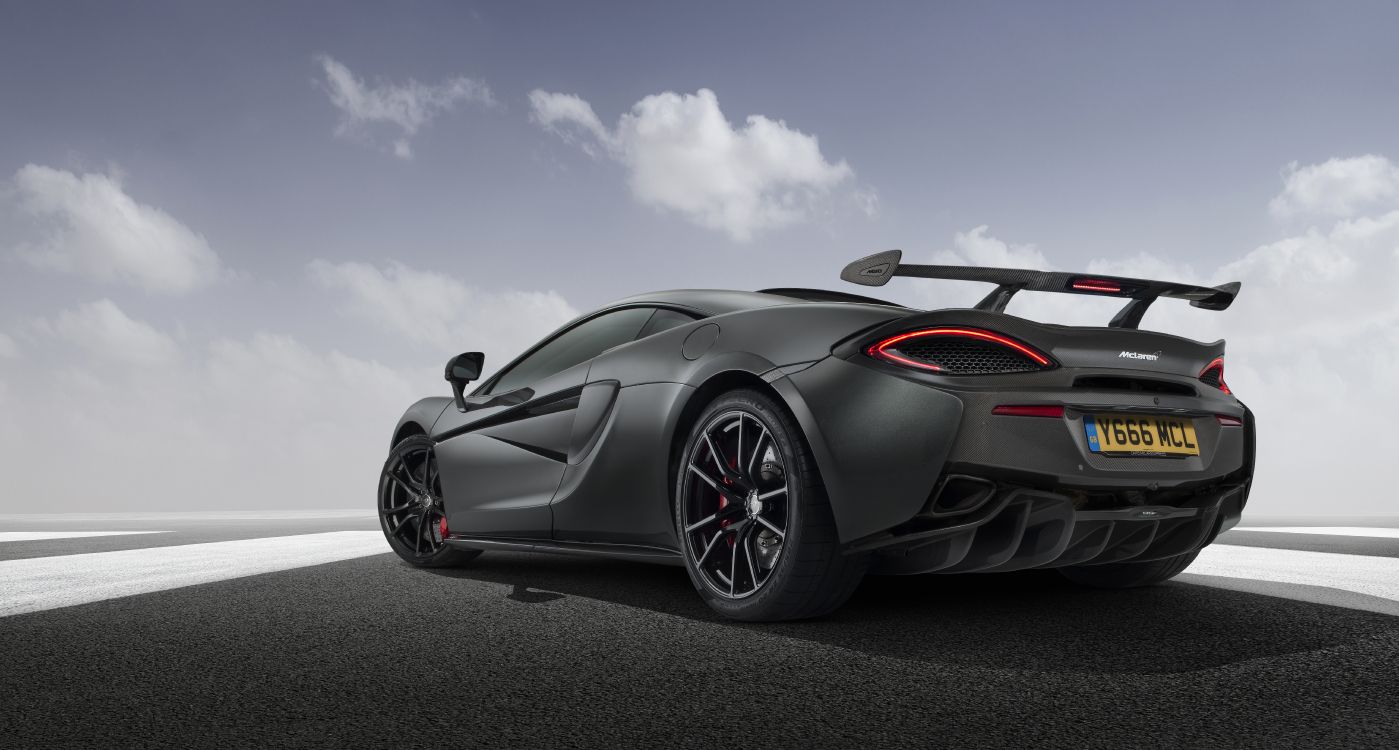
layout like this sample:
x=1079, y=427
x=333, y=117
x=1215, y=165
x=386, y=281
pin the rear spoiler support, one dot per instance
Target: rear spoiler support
x=877, y=269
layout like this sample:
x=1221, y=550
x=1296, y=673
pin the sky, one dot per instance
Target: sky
x=237, y=239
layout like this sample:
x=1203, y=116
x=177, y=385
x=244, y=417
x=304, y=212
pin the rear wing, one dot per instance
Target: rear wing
x=877, y=269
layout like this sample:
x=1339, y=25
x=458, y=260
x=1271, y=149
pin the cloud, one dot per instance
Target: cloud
x=1337, y=188
x=1313, y=343
x=92, y=227
x=101, y=329
x=683, y=155
x=402, y=107
x=263, y=422
x=8, y=349
x=439, y=311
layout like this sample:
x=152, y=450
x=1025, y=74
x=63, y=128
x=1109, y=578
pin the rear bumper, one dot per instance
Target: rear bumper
x=1017, y=528
x=885, y=437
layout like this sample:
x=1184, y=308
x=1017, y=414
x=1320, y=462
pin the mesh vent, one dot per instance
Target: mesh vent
x=956, y=355
x=1210, y=377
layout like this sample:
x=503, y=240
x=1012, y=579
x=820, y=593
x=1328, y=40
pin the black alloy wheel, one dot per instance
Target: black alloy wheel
x=736, y=506
x=755, y=528
x=411, y=512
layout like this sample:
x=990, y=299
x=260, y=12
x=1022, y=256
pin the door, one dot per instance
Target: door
x=501, y=465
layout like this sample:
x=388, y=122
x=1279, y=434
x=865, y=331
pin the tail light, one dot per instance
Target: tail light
x=1031, y=410
x=1213, y=375
x=959, y=351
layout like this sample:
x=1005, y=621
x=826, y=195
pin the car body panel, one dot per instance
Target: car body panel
x=587, y=459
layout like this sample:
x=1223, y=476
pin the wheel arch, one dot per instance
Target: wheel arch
x=703, y=395
x=419, y=418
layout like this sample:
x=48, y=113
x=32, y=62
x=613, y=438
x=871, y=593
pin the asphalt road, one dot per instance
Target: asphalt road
x=537, y=650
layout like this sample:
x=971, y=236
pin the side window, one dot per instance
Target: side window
x=665, y=320
x=578, y=344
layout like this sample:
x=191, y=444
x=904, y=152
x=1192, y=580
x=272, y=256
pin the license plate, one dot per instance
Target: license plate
x=1137, y=435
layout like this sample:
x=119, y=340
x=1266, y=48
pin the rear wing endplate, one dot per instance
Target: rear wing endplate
x=877, y=269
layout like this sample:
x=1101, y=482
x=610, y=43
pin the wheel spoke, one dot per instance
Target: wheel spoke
x=401, y=523
x=721, y=489
x=748, y=555
x=779, y=532
x=401, y=483
x=733, y=564
x=396, y=509
x=709, y=548
x=702, y=522
x=779, y=491
x=757, y=447
x=418, y=536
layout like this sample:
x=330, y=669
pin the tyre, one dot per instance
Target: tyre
x=754, y=524
x=1126, y=575
x=410, y=506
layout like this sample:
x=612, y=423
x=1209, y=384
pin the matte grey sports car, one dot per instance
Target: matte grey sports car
x=780, y=444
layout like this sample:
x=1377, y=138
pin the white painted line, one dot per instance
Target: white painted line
x=52, y=582
x=1356, y=581
x=1371, y=531
x=27, y=536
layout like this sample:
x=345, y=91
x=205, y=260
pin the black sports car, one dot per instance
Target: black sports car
x=780, y=444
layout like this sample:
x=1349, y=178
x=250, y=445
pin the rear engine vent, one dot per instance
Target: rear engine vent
x=1211, y=377
x=1136, y=385
x=960, y=356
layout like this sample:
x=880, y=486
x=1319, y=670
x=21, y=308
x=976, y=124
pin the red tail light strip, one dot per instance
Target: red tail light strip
x=1227, y=421
x=1029, y=411
x=881, y=349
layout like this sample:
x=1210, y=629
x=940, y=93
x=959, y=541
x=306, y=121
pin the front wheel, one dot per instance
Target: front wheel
x=755, y=528
x=1126, y=575
x=410, y=506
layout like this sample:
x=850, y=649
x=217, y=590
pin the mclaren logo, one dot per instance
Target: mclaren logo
x=1152, y=357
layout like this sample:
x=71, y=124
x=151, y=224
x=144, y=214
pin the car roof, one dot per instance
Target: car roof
x=721, y=301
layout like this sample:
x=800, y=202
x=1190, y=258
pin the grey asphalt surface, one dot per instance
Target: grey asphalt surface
x=537, y=650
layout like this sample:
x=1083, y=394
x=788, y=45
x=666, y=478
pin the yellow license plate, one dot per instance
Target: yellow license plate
x=1137, y=435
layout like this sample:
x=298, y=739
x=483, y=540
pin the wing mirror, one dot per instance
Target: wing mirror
x=463, y=369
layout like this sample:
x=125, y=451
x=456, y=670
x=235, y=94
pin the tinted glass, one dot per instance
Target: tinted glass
x=664, y=320
x=579, y=344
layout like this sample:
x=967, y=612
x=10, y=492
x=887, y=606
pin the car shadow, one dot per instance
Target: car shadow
x=1032, y=620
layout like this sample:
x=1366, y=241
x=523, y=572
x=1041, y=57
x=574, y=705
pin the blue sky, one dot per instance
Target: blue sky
x=370, y=229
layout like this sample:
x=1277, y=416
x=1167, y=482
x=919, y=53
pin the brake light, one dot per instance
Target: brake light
x=1213, y=375
x=920, y=349
x=1029, y=411
x=1097, y=285
x=1227, y=421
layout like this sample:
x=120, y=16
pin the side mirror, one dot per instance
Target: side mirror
x=463, y=369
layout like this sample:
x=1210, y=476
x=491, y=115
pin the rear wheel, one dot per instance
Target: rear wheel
x=410, y=506
x=1126, y=575
x=755, y=527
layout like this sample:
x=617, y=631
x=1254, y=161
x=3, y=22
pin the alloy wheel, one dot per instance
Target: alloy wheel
x=734, y=504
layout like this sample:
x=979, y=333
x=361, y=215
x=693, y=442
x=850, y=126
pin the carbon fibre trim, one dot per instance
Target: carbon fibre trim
x=1026, y=528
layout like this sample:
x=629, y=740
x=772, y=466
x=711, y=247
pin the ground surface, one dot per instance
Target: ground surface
x=537, y=650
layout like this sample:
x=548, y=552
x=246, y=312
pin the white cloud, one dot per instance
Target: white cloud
x=101, y=329
x=91, y=226
x=8, y=349
x=404, y=107
x=441, y=312
x=683, y=155
x=263, y=422
x=1337, y=187
x=1313, y=345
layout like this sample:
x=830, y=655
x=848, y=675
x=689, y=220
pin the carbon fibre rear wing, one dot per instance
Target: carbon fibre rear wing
x=877, y=269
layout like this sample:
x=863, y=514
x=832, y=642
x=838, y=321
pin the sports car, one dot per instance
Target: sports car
x=781, y=444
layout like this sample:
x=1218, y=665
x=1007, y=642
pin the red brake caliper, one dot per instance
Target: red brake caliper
x=442, y=526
